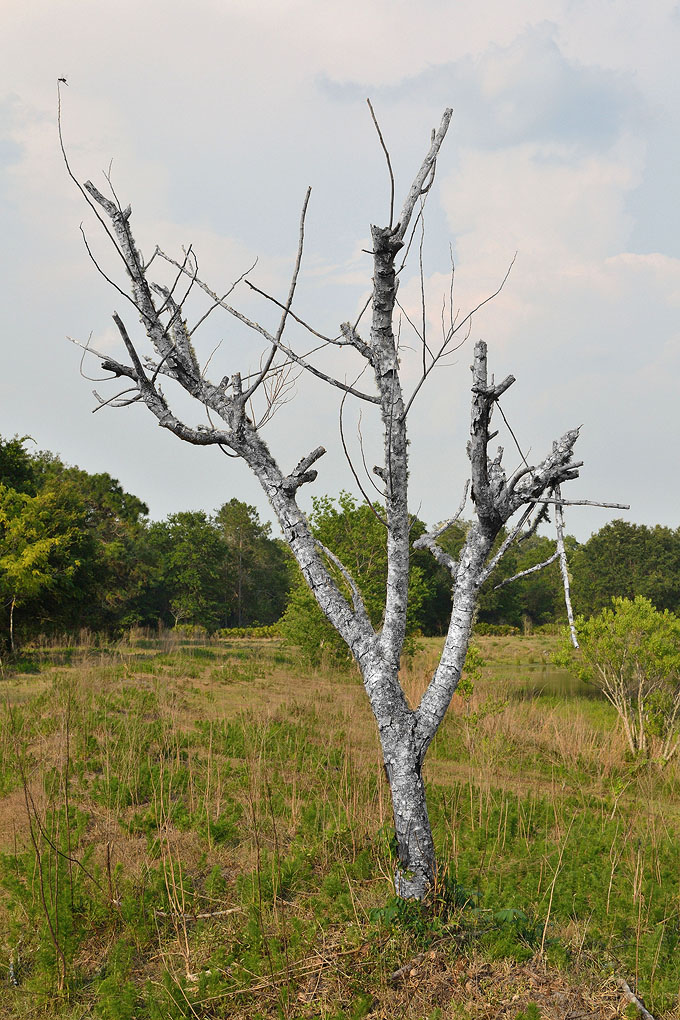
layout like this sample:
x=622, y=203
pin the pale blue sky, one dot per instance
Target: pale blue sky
x=564, y=146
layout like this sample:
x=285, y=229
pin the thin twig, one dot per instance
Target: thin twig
x=509, y=428
x=380, y=492
x=291, y=314
x=363, y=492
x=272, y=340
x=424, y=178
x=77, y=182
x=447, y=340
x=438, y=532
x=387, y=157
x=291, y=293
x=198, y=917
x=507, y=542
x=215, y=304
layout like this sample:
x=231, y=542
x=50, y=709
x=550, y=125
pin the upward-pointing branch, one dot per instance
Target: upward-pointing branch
x=424, y=178
x=282, y=325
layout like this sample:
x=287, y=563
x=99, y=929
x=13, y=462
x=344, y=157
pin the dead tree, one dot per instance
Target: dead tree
x=405, y=732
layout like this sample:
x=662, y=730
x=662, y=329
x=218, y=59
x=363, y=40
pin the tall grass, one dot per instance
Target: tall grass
x=196, y=828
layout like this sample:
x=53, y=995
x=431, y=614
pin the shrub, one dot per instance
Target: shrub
x=632, y=653
x=495, y=629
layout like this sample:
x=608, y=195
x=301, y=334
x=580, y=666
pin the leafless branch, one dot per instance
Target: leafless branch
x=363, y=492
x=541, y=517
x=168, y=292
x=505, y=545
x=411, y=324
x=387, y=157
x=77, y=183
x=198, y=917
x=577, y=502
x=291, y=293
x=429, y=540
x=210, y=357
x=380, y=492
x=215, y=304
x=423, y=310
x=525, y=573
x=424, y=178
x=421, y=213
x=158, y=368
x=564, y=570
x=101, y=272
x=447, y=524
x=291, y=314
x=117, y=369
x=277, y=343
x=630, y=995
x=357, y=600
x=115, y=400
x=444, y=349
x=302, y=473
x=441, y=556
x=278, y=386
x=86, y=349
x=130, y=347
x=516, y=441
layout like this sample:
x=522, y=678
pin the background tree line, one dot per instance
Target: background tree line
x=76, y=550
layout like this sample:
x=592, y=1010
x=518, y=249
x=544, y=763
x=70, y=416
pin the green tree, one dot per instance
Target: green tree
x=190, y=561
x=17, y=466
x=632, y=654
x=116, y=520
x=352, y=533
x=113, y=567
x=626, y=560
x=43, y=545
x=259, y=568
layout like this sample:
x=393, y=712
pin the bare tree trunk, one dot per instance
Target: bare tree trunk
x=416, y=869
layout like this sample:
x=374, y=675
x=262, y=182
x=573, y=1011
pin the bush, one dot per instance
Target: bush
x=495, y=629
x=270, y=631
x=632, y=654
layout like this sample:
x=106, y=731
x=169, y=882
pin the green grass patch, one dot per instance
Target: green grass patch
x=184, y=852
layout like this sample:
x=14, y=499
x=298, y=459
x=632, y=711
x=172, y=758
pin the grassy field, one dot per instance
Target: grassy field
x=204, y=830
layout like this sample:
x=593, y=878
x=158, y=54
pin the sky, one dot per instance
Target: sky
x=213, y=119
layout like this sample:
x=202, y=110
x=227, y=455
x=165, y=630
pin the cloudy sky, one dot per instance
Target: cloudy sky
x=564, y=147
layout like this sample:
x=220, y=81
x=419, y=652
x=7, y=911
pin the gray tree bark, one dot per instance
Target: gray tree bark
x=405, y=733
